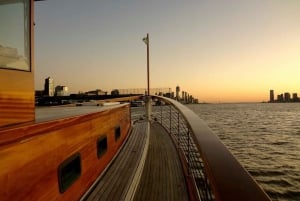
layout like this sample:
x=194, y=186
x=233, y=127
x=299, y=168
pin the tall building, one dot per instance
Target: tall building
x=271, y=95
x=280, y=98
x=177, y=93
x=287, y=97
x=295, y=97
x=49, y=87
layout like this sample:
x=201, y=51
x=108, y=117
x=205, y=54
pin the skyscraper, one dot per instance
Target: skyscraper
x=49, y=87
x=287, y=97
x=271, y=95
x=177, y=93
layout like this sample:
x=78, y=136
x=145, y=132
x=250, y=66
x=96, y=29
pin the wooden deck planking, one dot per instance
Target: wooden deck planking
x=162, y=178
x=113, y=185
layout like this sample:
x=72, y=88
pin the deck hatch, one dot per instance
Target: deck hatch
x=117, y=133
x=68, y=172
x=101, y=145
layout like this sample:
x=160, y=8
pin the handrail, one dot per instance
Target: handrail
x=227, y=178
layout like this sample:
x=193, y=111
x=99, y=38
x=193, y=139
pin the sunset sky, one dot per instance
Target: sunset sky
x=218, y=51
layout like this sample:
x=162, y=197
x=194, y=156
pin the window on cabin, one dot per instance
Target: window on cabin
x=101, y=146
x=15, y=34
x=117, y=133
x=68, y=172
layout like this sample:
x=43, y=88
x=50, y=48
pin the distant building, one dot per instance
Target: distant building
x=271, y=96
x=49, y=87
x=280, y=98
x=61, y=91
x=172, y=95
x=96, y=92
x=167, y=95
x=115, y=92
x=287, y=97
x=295, y=97
x=177, y=93
x=191, y=99
x=39, y=93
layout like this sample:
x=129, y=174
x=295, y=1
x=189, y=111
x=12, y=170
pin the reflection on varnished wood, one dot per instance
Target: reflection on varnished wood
x=30, y=155
x=16, y=107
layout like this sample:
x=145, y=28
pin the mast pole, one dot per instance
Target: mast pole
x=148, y=79
x=148, y=98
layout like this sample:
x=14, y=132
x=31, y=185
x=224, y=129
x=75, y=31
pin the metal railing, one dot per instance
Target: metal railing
x=174, y=123
x=215, y=172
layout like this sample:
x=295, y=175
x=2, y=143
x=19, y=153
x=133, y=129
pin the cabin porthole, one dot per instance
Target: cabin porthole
x=101, y=146
x=117, y=133
x=68, y=172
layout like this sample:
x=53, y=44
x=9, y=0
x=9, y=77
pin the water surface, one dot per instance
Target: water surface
x=265, y=138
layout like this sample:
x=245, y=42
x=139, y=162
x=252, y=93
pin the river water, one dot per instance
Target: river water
x=265, y=138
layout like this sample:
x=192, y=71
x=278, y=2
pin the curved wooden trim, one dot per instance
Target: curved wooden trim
x=19, y=133
x=229, y=180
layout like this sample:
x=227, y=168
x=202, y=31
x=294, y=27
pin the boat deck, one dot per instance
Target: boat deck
x=114, y=182
x=161, y=178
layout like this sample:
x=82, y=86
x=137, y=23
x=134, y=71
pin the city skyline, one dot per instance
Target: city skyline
x=283, y=97
x=53, y=89
x=231, y=51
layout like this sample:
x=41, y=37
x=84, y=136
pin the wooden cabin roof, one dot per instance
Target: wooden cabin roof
x=53, y=113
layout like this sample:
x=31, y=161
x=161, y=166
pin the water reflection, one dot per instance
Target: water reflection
x=14, y=34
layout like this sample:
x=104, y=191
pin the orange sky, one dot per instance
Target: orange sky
x=217, y=51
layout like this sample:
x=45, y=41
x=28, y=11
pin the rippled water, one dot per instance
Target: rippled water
x=265, y=138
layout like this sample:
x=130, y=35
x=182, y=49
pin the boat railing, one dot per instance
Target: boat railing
x=212, y=172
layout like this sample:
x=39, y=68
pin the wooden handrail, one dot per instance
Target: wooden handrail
x=228, y=179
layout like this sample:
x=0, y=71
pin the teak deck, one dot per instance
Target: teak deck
x=162, y=177
x=114, y=183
